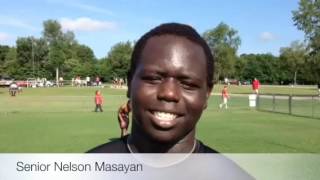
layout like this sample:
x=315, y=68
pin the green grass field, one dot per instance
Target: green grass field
x=62, y=120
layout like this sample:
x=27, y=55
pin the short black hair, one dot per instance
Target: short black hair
x=176, y=29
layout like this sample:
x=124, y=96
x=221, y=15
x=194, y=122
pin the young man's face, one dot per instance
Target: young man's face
x=169, y=88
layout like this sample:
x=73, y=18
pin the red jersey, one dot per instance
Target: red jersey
x=224, y=93
x=255, y=84
x=98, y=99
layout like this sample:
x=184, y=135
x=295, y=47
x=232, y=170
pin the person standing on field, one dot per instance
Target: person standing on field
x=256, y=85
x=98, y=101
x=88, y=81
x=97, y=81
x=13, y=89
x=225, y=96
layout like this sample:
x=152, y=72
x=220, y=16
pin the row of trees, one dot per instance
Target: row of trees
x=39, y=57
x=290, y=66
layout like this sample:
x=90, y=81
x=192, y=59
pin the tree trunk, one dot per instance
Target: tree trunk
x=295, y=78
x=57, y=76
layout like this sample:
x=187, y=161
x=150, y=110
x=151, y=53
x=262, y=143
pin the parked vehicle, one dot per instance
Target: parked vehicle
x=245, y=82
x=6, y=81
x=43, y=82
x=233, y=82
x=23, y=83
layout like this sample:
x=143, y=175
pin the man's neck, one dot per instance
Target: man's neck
x=141, y=143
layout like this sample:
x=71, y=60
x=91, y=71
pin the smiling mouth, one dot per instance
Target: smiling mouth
x=164, y=116
x=164, y=120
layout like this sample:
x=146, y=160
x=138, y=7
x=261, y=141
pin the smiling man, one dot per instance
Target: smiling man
x=170, y=81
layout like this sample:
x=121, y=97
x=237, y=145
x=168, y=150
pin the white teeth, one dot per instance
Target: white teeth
x=165, y=116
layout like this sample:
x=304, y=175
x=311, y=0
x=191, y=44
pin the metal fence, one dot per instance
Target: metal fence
x=298, y=105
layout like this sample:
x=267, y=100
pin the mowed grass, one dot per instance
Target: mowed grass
x=58, y=120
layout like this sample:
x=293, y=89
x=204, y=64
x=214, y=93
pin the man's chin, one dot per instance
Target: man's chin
x=163, y=137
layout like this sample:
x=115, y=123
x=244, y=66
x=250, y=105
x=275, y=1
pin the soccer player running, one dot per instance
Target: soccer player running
x=225, y=96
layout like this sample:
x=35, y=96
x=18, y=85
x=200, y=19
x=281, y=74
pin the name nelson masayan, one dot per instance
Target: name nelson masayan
x=73, y=167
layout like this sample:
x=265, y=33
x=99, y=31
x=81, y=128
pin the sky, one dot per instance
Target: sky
x=264, y=26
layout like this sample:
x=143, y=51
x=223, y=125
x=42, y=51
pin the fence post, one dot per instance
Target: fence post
x=312, y=101
x=290, y=104
x=257, y=102
x=273, y=103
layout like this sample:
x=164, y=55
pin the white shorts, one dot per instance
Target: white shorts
x=225, y=100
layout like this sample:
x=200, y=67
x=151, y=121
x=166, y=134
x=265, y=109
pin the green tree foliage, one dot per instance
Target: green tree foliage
x=73, y=68
x=239, y=68
x=3, y=53
x=117, y=64
x=80, y=62
x=261, y=66
x=68, y=44
x=292, y=63
x=313, y=73
x=25, y=59
x=11, y=66
x=41, y=52
x=84, y=54
x=39, y=57
x=224, y=42
x=56, y=58
x=65, y=53
x=307, y=19
x=53, y=34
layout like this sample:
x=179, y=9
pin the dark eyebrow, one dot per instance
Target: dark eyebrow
x=153, y=69
x=189, y=77
x=185, y=76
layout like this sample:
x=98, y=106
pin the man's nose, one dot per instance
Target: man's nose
x=169, y=90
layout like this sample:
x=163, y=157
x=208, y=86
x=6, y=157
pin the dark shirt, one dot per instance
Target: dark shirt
x=120, y=146
x=215, y=167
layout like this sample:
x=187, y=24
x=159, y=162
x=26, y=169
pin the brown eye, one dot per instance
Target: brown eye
x=189, y=85
x=152, y=79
